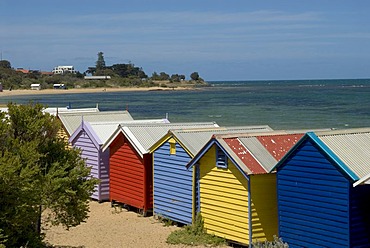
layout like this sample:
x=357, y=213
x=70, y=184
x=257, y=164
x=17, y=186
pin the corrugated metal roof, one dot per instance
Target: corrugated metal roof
x=144, y=136
x=259, y=152
x=104, y=130
x=57, y=110
x=195, y=139
x=351, y=146
x=71, y=121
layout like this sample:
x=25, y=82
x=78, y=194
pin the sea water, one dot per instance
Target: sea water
x=289, y=104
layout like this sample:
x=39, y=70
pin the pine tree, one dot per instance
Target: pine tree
x=37, y=173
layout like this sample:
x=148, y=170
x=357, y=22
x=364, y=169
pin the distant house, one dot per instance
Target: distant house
x=46, y=73
x=64, y=69
x=97, y=77
x=59, y=86
x=23, y=70
x=35, y=86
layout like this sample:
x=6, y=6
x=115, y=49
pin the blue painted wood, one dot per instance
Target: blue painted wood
x=313, y=200
x=360, y=216
x=172, y=184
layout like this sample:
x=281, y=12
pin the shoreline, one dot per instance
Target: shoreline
x=87, y=90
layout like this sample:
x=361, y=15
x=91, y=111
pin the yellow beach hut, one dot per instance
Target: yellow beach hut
x=235, y=194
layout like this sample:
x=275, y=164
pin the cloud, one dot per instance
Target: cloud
x=180, y=37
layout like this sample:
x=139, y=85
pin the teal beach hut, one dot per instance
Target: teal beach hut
x=324, y=192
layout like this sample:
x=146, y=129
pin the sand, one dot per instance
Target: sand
x=113, y=227
x=84, y=90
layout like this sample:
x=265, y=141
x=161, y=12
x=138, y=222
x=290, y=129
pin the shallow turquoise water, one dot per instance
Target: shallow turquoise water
x=280, y=104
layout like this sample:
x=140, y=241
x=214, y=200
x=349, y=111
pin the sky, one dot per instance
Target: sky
x=219, y=39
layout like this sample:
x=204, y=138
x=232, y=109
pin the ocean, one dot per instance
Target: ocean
x=292, y=104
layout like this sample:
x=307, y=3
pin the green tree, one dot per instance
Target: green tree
x=164, y=76
x=100, y=63
x=155, y=76
x=194, y=76
x=128, y=71
x=38, y=172
x=5, y=64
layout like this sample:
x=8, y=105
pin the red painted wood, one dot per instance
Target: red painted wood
x=130, y=175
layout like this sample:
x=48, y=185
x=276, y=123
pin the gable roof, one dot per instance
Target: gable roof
x=253, y=153
x=348, y=148
x=71, y=121
x=100, y=132
x=143, y=136
x=192, y=140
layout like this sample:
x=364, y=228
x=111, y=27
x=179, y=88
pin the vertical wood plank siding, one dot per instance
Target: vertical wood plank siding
x=360, y=216
x=126, y=174
x=172, y=184
x=90, y=154
x=223, y=199
x=104, y=175
x=313, y=200
x=264, y=207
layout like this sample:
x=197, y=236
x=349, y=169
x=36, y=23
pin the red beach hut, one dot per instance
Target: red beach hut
x=131, y=176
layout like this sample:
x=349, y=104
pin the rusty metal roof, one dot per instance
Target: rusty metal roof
x=194, y=139
x=259, y=153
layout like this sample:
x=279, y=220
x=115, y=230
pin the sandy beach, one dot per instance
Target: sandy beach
x=85, y=90
x=113, y=227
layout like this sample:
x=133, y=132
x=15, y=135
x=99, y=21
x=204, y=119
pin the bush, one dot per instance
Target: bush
x=277, y=243
x=194, y=235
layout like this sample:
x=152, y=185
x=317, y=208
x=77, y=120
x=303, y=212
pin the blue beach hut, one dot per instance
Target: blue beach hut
x=324, y=192
x=172, y=182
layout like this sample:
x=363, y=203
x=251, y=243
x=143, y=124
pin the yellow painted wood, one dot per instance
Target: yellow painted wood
x=264, y=207
x=224, y=202
x=63, y=135
x=225, y=213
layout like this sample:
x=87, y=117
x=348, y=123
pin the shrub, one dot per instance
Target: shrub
x=194, y=235
x=277, y=243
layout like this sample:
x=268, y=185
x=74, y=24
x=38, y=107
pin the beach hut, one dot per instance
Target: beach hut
x=71, y=120
x=236, y=196
x=90, y=137
x=324, y=192
x=35, y=86
x=59, y=86
x=172, y=182
x=58, y=110
x=131, y=175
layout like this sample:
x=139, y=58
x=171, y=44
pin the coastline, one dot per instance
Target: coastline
x=87, y=90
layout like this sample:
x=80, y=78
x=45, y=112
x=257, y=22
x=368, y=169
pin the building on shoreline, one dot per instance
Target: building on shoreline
x=64, y=69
